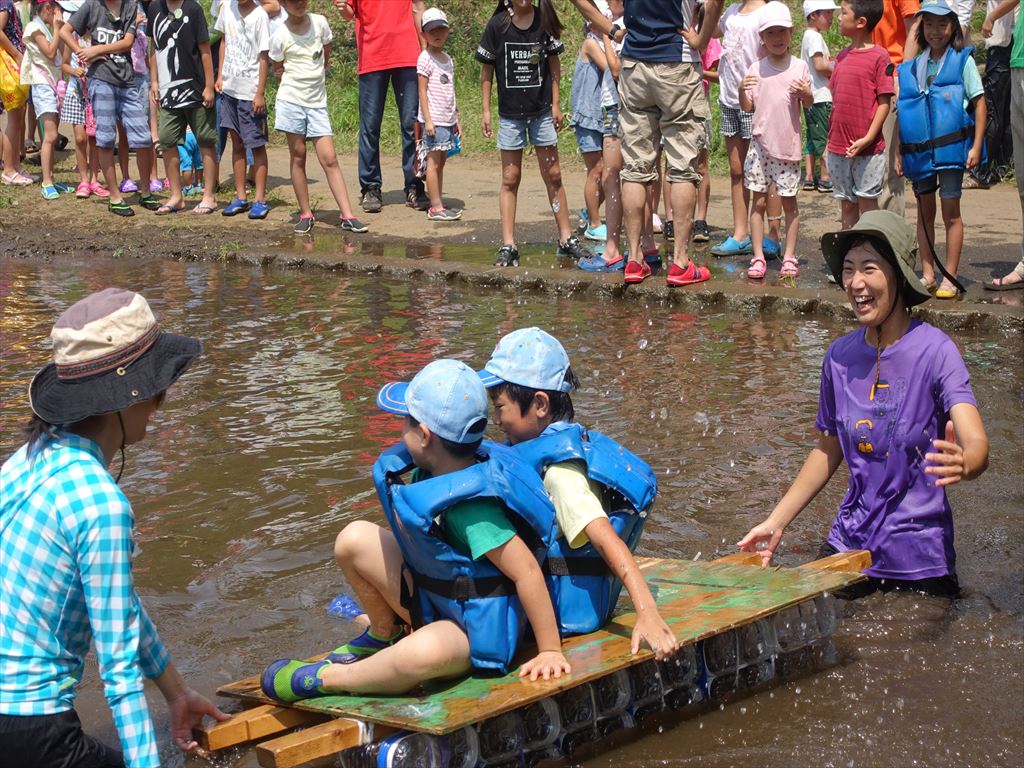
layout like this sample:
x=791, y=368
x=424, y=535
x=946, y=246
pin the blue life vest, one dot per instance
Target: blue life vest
x=449, y=584
x=583, y=589
x=936, y=132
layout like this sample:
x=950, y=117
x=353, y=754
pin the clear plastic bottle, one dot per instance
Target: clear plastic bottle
x=756, y=642
x=501, y=738
x=645, y=681
x=578, y=713
x=462, y=748
x=827, y=614
x=612, y=693
x=721, y=654
x=400, y=750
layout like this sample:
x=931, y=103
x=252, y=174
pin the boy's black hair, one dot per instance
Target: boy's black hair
x=956, y=42
x=870, y=10
x=561, y=403
x=549, y=21
x=457, y=450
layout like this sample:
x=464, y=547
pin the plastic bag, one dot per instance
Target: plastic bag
x=12, y=92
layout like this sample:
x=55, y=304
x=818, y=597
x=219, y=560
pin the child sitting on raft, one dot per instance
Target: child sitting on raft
x=474, y=583
x=601, y=491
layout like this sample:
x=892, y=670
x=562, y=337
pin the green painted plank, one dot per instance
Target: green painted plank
x=696, y=599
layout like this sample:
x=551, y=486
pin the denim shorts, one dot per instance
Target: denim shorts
x=311, y=122
x=517, y=132
x=113, y=104
x=237, y=115
x=44, y=99
x=949, y=182
x=589, y=140
x=442, y=140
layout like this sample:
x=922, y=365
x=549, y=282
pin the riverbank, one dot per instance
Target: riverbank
x=402, y=243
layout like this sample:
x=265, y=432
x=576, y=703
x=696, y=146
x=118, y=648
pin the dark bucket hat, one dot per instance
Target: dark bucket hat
x=108, y=354
x=893, y=229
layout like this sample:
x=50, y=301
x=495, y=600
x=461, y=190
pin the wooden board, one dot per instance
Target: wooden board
x=696, y=599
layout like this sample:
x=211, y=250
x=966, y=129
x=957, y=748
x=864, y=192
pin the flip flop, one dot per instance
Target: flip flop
x=166, y=210
x=999, y=285
x=203, y=210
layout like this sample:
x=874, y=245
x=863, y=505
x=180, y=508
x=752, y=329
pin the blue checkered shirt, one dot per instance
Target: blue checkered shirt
x=66, y=579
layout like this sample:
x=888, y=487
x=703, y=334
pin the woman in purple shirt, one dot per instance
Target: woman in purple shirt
x=896, y=404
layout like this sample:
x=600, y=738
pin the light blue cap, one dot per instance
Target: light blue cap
x=936, y=8
x=531, y=358
x=446, y=396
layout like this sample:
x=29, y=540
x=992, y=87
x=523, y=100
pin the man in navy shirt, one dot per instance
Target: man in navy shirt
x=661, y=97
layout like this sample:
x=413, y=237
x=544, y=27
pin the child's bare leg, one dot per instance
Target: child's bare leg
x=435, y=175
x=774, y=210
x=12, y=142
x=260, y=167
x=297, y=167
x=145, y=159
x=238, y=164
x=106, y=155
x=551, y=172
x=736, y=148
x=47, y=145
x=789, y=205
x=849, y=213
x=440, y=649
x=172, y=167
x=757, y=211
x=926, y=235
x=324, y=146
x=81, y=153
x=592, y=186
x=954, y=233
x=94, y=159
x=371, y=560
x=612, y=165
x=809, y=167
x=511, y=174
x=210, y=174
x=122, y=152
x=823, y=174
x=704, y=190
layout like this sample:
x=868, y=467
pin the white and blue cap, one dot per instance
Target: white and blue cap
x=446, y=396
x=936, y=8
x=531, y=358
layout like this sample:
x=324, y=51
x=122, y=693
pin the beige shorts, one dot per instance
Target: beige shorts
x=661, y=102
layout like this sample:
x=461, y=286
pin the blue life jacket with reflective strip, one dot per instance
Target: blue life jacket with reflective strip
x=449, y=584
x=583, y=589
x=936, y=132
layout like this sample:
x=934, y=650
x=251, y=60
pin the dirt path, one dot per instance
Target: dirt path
x=30, y=226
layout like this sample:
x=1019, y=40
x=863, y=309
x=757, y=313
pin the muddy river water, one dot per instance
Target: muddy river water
x=263, y=453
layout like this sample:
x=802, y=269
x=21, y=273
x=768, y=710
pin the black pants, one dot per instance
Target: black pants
x=998, y=140
x=52, y=741
x=936, y=586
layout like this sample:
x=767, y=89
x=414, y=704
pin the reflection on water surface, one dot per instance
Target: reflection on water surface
x=264, y=448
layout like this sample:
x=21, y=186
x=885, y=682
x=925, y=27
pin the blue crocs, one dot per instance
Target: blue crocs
x=598, y=264
x=771, y=249
x=362, y=647
x=236, y=207
x=290, y=680
x=733, y=247
x=258, y=210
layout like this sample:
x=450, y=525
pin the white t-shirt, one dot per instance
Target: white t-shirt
x=36, y=69
x=303, y=57
x=741, y=45
x=813, y=43
x=1002, y=29
x=963, y=10
x=245, y=38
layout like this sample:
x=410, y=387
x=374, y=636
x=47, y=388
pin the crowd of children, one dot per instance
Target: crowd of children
x=143, y=72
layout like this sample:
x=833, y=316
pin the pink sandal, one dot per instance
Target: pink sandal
x=790, y=267
x=83, y=190
x=757, y=268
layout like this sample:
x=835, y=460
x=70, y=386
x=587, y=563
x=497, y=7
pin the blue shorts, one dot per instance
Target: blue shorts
x=113, y=104
x=949, y=182
x=311, y=122
x=589, y=140
x=442, y=140
x=189, y=156
x=44, y=99
x=237, y=115
x=517, y=132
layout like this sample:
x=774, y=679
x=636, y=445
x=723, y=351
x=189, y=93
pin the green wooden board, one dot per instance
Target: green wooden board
x=696, y=599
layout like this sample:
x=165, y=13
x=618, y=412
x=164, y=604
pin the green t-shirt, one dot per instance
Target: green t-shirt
x=474, y=527
x=1017, y=52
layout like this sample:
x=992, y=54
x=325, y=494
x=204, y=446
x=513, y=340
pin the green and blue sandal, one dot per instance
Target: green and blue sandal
x=290, y=680
x=362, y=647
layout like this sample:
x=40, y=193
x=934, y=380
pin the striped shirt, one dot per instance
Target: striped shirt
x=440, y=74
x=66, y=579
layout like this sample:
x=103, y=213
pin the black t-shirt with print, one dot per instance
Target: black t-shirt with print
x=176, y=36
x=520, y=59
x=95, y=20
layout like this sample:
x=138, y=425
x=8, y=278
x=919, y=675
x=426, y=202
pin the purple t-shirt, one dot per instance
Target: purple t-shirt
x=892, y=508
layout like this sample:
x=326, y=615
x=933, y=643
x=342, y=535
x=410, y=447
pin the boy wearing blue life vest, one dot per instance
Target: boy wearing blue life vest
x=469, y=523
x=601, y=492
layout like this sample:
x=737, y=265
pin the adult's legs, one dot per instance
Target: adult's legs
x=511, y=175
x=684, y=197
x=405, y=83
x=372, y=90
x=634, y=203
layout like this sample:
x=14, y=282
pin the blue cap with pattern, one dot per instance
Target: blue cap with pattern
x=446, y=396
x=531, y=358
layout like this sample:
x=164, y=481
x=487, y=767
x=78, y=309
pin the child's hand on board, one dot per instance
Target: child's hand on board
x=652, y=628
x=546, y=664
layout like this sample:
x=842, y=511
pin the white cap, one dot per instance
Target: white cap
x=774, y=15
x=433, y=18
x=810, y=6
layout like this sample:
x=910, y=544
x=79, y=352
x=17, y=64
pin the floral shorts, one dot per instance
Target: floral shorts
x=760, y=170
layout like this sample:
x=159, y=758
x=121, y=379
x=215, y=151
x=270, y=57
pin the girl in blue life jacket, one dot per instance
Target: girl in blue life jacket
x=942, y=121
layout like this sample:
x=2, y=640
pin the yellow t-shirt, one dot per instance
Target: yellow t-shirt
x=577, y=500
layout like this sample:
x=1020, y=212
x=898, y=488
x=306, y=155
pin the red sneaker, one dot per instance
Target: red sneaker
x=692, y=274
x=637, y=271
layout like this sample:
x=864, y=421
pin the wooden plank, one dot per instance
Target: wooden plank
x=853, y=560
x=740, y=558
x=311, y=743
x=697, y=600
x=253, y=724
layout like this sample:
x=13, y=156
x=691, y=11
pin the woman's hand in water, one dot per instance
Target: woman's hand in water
x=546, y=664
x=763, y=539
